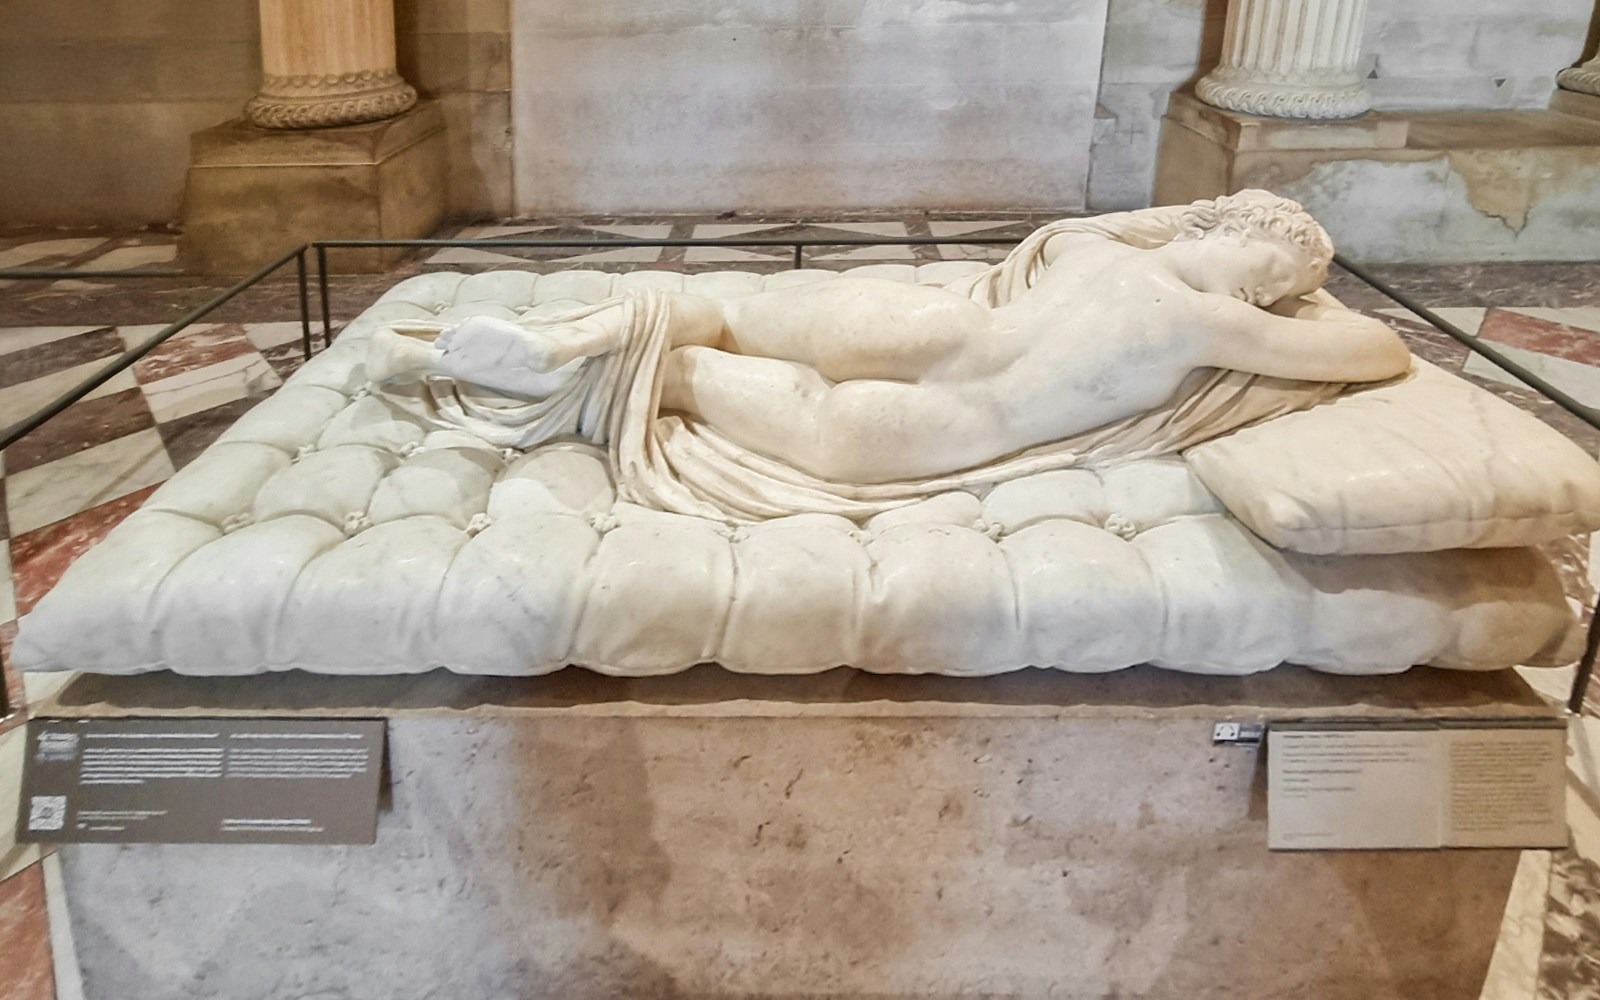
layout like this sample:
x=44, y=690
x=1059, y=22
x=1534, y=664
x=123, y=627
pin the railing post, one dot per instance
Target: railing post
x=305, y=303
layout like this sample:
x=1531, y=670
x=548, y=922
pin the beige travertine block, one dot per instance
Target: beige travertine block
x=256, y=193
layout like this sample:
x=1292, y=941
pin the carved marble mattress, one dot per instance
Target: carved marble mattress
x=328, y=530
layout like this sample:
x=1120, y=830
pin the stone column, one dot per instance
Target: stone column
x=327, y=62
x=1584, y=79
x=1290, y=59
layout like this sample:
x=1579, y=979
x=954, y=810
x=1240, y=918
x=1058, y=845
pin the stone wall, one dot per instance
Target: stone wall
x=712, y=105
x=458, y=52
x=98, y=97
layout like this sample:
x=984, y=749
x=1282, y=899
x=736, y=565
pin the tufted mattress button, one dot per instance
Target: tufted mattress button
x=478, y=522
x=1121, y=526
x=355, y=522
x=236, y=521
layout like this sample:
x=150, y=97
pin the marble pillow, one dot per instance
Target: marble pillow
x=1425, y=463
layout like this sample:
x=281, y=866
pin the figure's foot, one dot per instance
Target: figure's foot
x=485, y=343
x=392, y=355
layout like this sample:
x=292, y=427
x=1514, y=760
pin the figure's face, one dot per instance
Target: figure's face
x=1261, y=272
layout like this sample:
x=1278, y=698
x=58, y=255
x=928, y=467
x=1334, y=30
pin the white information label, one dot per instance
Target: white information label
x=1339, y=786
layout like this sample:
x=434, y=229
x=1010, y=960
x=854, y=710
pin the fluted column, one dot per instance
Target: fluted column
x=1290, y=59
x=327, y=62
x=1584, y=79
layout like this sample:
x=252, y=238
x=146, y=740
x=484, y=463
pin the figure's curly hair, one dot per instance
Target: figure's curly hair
x=1257, y=213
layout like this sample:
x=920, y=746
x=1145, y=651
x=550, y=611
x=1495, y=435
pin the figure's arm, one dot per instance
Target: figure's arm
x=1318, y=343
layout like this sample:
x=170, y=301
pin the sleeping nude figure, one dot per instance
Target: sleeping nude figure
x=874, y=391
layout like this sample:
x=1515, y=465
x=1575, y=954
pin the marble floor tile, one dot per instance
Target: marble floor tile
x=128, y=258
x=468, y=256
x=285, y=359
x=187, y=436
x=730, y=255
x=197, y=347
x=652, y=231
x=969, y=251
x=41, y=251
x=26, y=966
x=29, y=363
x=730, y=230
x=39, y=557
x=16, y=690
x=895, y=228
x=63, y=945
x=47, y=493
x=966, y=228
x=496, y=232
x=8, y=592
x=1579, y=380
x=1514, y=967
x=626, y=254
x=1569, y=963
x=265, y=335
x=13, y=856
x=190, y=392
x=1467, y=318
x=83, y=425
x=18, y=402
x=863, y=254
x=1518, y=329
x=17, y=338
x=1586, y=317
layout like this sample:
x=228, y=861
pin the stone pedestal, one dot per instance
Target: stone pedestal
x=255, y=193
x=1206, y=151
x=1573, y=102
x=1290, y=59
x=1439, y=186
x=841, y=834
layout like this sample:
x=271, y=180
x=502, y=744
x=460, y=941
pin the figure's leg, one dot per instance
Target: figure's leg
x=858, y=328
x=766, y=405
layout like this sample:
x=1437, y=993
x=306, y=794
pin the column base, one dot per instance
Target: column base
x=255, y=193
x=295, y=102
x=1438, y=186
x=1234, y=90
x=1583, y=79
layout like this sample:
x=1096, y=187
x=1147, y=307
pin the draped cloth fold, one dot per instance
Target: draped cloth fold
x=670, y=463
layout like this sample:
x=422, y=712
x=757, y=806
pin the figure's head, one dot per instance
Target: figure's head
x=1255, y=246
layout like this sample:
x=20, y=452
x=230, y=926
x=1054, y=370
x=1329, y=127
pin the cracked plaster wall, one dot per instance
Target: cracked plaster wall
x=1422, y=54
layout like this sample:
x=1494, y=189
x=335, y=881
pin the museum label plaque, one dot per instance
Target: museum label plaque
x=1345, y=785
x=216, y=780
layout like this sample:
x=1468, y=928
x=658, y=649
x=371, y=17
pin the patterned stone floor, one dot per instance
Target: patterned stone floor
x=66, y=485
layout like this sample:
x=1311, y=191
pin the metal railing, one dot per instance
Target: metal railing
x=11, y=435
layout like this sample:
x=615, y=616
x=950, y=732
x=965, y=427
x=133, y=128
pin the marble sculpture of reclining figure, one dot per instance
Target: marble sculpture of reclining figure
x=851, y=395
